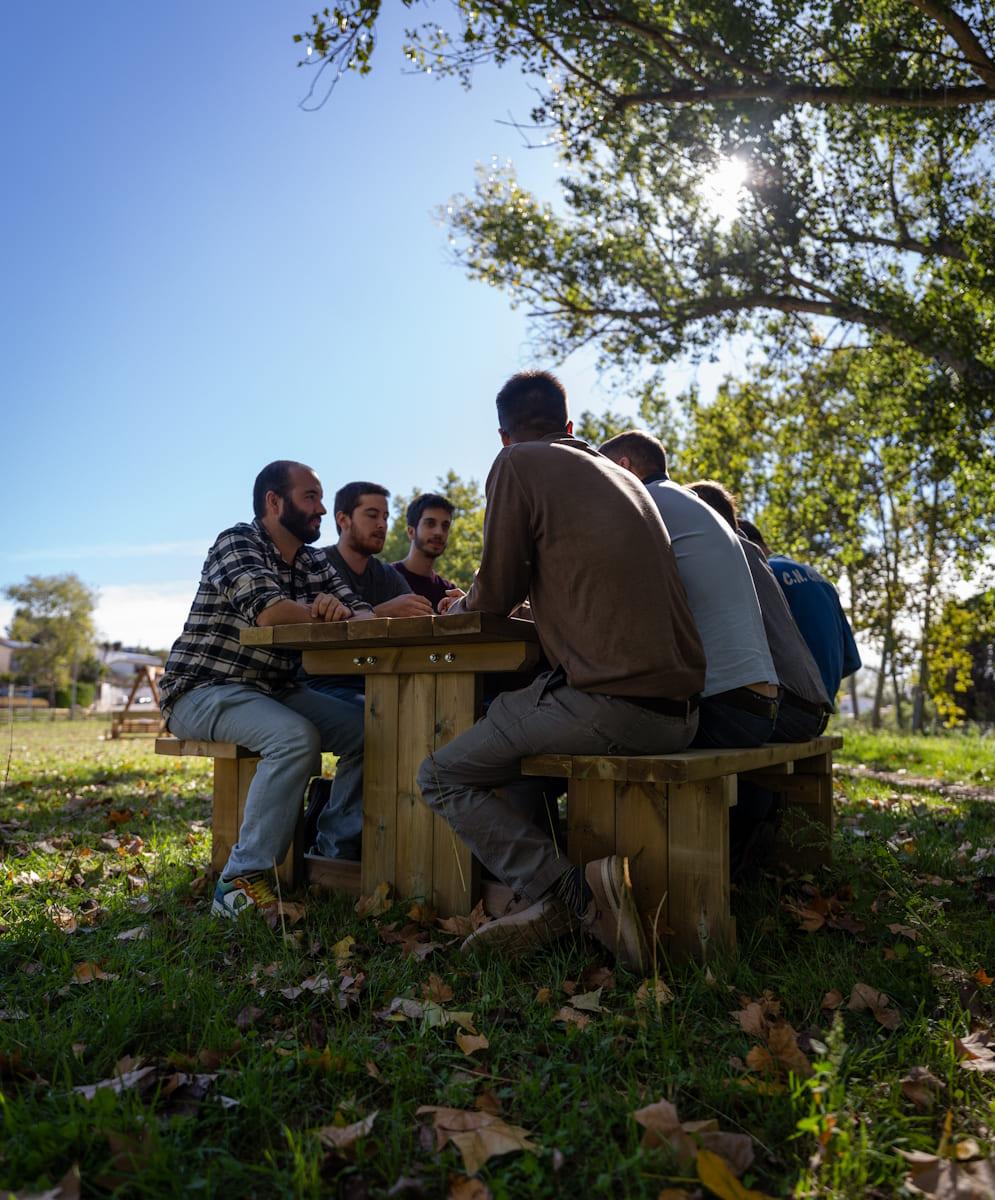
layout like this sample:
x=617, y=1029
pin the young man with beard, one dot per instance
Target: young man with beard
x=627, y=665
x=217, y=690
x=429, y=519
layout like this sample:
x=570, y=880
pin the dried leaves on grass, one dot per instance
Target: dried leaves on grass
x=477, y=1135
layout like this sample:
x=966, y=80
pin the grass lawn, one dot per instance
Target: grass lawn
x=292, y=1062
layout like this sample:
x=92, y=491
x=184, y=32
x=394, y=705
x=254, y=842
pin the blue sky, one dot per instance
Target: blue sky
x=200, y=277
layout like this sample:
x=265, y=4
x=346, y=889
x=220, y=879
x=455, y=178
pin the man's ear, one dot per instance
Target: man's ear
x=411, y=533
x=505, y=439
x=570, y=428
x=338, y=523
x=273, y=501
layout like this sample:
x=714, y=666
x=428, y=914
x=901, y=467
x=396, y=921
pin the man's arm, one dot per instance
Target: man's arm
x=505, y=573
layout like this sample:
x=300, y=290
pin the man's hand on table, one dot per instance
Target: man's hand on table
x=449, y=599
x=326, y=607
x=408, y=605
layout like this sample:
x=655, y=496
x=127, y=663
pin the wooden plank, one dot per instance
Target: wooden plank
x=483, y=627
x=409, y=660
x=678, y=768
x=590, y=820
x=201, y=749
x=324, y=633
x=464, y=628
x=456, y=873
x=698, y=839
x=335, y=874
x=641, y=835
x=415, y=741
x=224, y=812
x=380, y=782
x=257, y=635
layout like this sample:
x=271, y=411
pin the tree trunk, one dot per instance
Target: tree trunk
x=922, y=684
x=879, y=686
x=899, y=712
x=854, y=699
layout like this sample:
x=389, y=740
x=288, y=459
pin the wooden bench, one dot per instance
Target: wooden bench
x=669, y=814
x=234, y=767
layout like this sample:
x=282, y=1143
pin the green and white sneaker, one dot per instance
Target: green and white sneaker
x=234, y=896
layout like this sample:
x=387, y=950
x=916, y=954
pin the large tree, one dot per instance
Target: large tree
x=54, y=613
x=867, y=204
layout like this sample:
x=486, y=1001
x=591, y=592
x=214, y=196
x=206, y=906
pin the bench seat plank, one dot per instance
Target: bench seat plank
x=686, y=767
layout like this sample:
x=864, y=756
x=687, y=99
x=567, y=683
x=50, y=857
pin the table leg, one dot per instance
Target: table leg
x=456, y=876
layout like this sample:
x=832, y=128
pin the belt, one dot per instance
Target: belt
x=748, y=700
x=794, y=701
x=669, y=708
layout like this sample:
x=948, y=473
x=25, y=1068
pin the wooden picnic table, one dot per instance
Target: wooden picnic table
x=423, y=679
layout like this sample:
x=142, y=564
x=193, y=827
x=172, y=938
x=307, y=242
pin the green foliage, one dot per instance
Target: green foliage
x=466, y=537
x=963, y=660
x=84, y=695
x=55, y=613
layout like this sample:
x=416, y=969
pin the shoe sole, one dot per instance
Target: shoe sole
x=613, y=894
x=517, y=939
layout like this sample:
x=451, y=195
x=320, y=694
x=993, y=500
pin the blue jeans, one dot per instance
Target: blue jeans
x=289, y=730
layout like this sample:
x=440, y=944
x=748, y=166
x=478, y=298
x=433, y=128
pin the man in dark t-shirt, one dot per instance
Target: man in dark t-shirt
x=361, y=517
x=429, y=519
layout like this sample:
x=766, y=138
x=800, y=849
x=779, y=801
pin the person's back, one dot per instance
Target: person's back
x=578, y=536
x=818, y=613
x=720, y=590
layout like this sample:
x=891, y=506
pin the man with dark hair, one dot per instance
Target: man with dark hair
x=429, y=519
x=217, y=690
x=818, y=613
x=627, y=665
x=739, y=701
x=804, y=708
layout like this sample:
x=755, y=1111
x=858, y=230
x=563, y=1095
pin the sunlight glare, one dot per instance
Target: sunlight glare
x=722, y=186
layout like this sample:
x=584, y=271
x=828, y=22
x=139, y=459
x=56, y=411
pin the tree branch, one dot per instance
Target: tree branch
x=964, y=36
x=804, y=93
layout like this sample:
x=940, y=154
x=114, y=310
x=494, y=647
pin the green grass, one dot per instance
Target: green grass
x=304, y=1063
x=967, y=757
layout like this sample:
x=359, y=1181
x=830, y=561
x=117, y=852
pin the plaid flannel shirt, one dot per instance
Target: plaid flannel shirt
x=243, y=574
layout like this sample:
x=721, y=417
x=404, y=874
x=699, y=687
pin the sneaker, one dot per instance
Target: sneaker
x=611, y=916
x=519, y=932
x=233, y=896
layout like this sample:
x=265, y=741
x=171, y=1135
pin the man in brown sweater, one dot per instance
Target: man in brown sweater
x=580, y=538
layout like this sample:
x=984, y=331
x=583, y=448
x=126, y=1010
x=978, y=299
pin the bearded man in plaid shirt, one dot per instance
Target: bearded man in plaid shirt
x=218, y=690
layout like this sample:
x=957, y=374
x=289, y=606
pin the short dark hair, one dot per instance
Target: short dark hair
x=274, y=477
x=717, y=497
x=645, y=452
x=532, y=404
x=754, y=535
x=416, y=509
x=348, y=496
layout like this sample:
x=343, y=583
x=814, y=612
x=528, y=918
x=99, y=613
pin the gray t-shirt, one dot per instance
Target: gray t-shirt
x=719, y=587
x=796, y=668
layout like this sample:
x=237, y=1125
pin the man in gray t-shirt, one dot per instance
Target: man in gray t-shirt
x=739, y=703
x=804, y=707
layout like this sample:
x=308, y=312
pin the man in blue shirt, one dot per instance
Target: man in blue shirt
x=815, y=605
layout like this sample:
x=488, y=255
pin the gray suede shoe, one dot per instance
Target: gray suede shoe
x=541, y=923
x=611, y=916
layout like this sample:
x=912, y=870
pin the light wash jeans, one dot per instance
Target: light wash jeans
x=289, y=730
x=475, y=781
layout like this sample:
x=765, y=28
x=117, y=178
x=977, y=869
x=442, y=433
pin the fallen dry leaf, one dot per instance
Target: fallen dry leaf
x=319, y=984
x=63, y=918
x=376, y=904
x=343, y=1137
x=782, y=1042
x=88, y=972
x=121, y=1081
x=464, y=926
x=248, y=1017
x=944, y=1179
x=599, y=977
x=689, y=1138
x=976, y=1052
x=905, y=931
x=342, y=950
x=470, y=1043
x=138, y=934
x=66, y=1189
x=715, y=1174
x=486, y=1101
x=421, y=913
x=653, y=993
x=587, y=1001
x=832, y=999
x=864, y=998
x=544, y=995
x=436, y=989
x=572, y=1017
x=477, y=1135
x=921, y=1087
x=983, y=978
x=372, y=1069
x=463, y=1187
x=283, y=912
